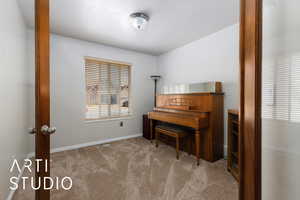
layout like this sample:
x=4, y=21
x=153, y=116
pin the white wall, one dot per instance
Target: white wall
x=215, y=57
x=281, y=138
x=68, y=91
x=212, y=58
x=14, y=88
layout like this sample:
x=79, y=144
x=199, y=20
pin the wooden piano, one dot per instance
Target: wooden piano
x=203, y=112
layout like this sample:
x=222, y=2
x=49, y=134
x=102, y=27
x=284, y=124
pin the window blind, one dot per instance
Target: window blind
x=107, y=89
x=281, y=88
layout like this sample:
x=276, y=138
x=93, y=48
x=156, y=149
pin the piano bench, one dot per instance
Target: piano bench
x=174, y=132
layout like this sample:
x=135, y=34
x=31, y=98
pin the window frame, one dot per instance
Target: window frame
x=129, y=65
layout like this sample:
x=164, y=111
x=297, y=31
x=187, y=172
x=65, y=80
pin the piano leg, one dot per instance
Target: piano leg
x=197, y=141
x=152, y=129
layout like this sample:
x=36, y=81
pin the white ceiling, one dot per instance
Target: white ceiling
x=173, y=23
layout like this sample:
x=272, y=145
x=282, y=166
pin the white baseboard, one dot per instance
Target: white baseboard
x=12, y=192
x=78, y=146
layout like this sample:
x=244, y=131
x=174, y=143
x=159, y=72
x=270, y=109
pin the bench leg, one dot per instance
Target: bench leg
x=190, y=144
x=156, y=138
x=151, y=130
x=177, y=148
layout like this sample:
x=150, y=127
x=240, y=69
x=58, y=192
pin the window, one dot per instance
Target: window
x=107, y=89
x=281, y=88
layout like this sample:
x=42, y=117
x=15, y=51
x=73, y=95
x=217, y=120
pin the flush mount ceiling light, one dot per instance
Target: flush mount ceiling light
x=139, y=20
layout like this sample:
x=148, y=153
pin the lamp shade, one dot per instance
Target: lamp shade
x=155, y=77
x=139, y=20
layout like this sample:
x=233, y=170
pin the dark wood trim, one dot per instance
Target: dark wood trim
x=42, y=95
x=233, y=143
x=250, y=99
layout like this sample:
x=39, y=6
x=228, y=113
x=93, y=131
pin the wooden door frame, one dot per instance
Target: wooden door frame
x=250, y=99
x=42, y=94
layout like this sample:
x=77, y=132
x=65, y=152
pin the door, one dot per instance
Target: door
x=281, y=100
x=42, y=98
x=270, y=100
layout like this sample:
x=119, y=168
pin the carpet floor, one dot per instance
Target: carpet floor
x=135, y=170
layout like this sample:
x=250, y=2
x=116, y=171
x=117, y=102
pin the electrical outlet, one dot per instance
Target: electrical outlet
x=121, y=124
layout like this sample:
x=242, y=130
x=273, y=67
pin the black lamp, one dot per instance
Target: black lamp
x=155, y=78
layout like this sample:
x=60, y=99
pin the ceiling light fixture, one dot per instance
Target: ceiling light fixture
x=139, y=20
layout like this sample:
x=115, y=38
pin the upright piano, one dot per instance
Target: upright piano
x=202, y=112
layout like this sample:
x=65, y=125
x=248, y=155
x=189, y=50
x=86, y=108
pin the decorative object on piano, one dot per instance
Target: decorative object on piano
x=233, y=143
x=203, y=112
x=155, y=78
x=213, y=86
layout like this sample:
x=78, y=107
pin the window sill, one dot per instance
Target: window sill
x=89, y=121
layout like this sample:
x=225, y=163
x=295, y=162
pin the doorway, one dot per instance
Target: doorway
x=247, y=111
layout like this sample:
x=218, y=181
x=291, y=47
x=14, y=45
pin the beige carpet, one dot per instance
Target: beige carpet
x=135, y=170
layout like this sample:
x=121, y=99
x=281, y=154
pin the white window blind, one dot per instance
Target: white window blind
x=295, y=88
x=107, y=89
x=281, y=88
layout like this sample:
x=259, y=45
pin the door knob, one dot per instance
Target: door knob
x=32, y=131
x=48, y=130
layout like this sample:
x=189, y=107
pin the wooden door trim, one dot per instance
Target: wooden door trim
x=42, y=94
x=250, y=99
